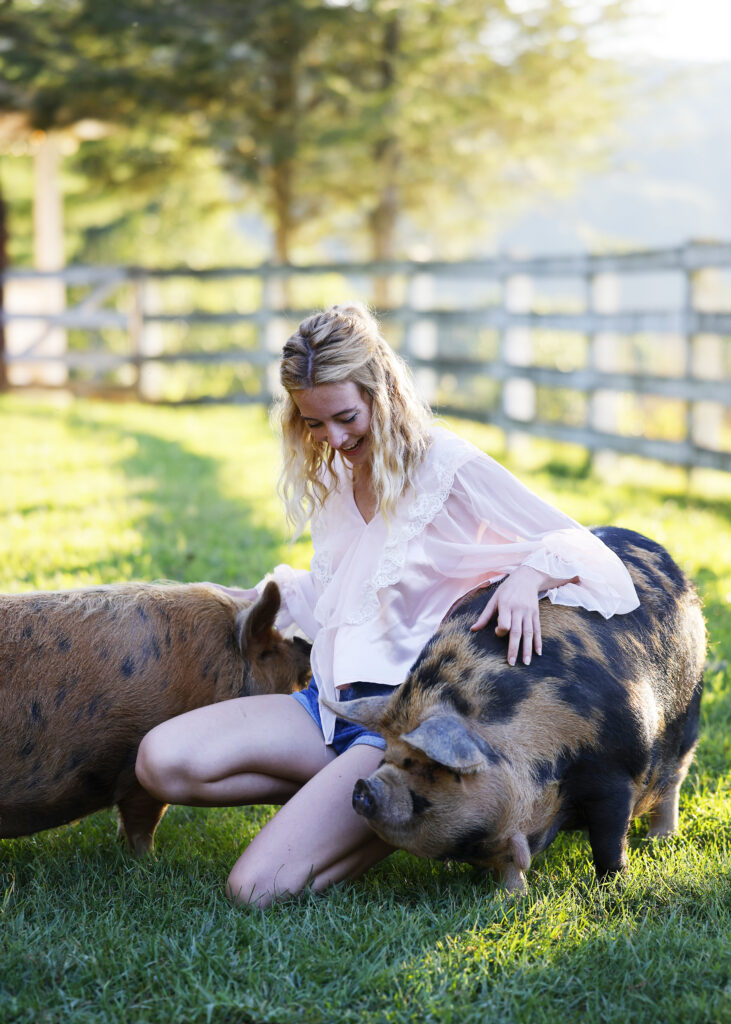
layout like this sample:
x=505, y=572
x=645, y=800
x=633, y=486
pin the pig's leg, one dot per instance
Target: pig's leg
x=664, y=816
x=139, y=816
x=512, y=879
x=608, y=819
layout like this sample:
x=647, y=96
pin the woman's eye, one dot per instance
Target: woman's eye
x=351, y=418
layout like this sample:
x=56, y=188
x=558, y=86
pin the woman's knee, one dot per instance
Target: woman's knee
x=161, y=769
x=256, y=884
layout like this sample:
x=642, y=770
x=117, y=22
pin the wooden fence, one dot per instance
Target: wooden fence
x=629, y=352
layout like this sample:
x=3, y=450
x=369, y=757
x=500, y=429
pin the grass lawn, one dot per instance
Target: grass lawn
x=100, y=493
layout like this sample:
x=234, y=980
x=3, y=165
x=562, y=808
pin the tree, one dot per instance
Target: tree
x=370, y=118
x=470, y=102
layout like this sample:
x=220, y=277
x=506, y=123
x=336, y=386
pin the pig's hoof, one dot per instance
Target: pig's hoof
x=512, y=881
x=660, y=832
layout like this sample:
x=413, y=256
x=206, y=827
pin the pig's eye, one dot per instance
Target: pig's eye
x=407, y=763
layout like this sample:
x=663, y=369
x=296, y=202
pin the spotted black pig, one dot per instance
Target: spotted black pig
x=84, y=674
x=486, y=763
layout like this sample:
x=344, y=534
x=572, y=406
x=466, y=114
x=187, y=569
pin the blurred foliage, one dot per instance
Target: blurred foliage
x=378, y=122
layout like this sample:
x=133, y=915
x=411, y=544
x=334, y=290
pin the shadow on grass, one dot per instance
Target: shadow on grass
x=190, y=530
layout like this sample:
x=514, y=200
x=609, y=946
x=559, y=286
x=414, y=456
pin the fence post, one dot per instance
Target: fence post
x=421, y=339
x=516, y=349
x=273, y=332
x=703, y=421
x=603, y=297
x=136, y=326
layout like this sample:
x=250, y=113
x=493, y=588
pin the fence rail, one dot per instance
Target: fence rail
x=649, y=374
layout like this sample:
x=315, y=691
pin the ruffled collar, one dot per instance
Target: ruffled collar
x=419, y=506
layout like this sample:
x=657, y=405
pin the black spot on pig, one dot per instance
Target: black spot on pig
x=128, y=667
x=419, y=803
x=543, y=772
x=142, y=614
x=470, y=845
x=452, y=696
x=402, y=697
x=36, y=714
x=27, y=749
x=64, y=644
x=27, y=631
x=60, y=697
x=431, y=674
x=586, y=692
x=503, y=704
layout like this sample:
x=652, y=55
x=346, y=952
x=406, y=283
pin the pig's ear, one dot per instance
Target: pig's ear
x=365, y=711
x=254, y=625
x=302, y=645
x=447, y=740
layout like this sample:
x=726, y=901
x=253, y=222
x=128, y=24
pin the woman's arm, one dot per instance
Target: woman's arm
x=542, y=551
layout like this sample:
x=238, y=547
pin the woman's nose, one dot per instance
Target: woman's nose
x=335, y=435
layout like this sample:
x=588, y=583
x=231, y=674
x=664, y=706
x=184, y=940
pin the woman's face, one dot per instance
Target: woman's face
x=339, y=414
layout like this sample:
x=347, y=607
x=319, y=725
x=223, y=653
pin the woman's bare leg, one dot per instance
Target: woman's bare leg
x=316, y=838
x=244, y=751
x=267, y=749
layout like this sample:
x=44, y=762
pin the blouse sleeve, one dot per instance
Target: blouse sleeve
x=531, y=532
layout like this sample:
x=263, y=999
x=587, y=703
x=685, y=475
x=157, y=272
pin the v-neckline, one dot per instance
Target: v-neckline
x=361, y=517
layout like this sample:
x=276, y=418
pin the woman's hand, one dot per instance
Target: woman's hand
x=516, y=604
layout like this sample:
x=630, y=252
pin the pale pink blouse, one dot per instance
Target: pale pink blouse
x=377, y=591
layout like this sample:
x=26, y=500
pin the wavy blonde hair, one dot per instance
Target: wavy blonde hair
x=342, y=344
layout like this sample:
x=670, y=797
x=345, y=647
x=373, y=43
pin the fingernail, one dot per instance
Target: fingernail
x=526, y=661
x=511, y=661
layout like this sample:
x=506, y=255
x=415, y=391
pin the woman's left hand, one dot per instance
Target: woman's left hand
x=516, y=604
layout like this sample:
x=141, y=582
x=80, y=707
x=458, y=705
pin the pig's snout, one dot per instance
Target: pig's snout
x=364, y=798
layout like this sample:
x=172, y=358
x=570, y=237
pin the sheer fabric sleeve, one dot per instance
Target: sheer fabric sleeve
x=531, y=532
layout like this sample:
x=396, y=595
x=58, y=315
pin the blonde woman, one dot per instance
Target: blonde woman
x=405, y=518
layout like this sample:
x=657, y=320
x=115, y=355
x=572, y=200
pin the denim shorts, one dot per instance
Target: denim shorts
x=347, y=734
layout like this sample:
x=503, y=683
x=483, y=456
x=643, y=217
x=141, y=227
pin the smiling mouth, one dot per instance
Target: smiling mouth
x=353, y=448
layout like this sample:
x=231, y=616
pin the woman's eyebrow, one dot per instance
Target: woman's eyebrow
x=316, y=419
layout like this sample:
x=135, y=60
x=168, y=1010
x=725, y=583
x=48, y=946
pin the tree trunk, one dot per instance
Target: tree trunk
x=382, y=220
x=283, y=148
